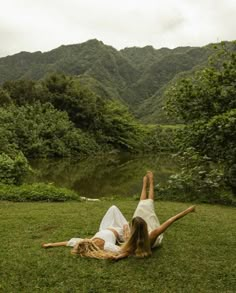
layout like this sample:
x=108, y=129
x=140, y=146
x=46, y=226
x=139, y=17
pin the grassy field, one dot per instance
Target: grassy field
x=198, y=252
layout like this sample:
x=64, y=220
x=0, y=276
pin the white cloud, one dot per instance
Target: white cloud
x=32, y=25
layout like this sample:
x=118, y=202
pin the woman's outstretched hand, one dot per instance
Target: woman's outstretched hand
x=192, y=209
x=118, y=256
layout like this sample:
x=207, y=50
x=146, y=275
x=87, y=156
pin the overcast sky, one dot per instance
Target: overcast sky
x=42, y=25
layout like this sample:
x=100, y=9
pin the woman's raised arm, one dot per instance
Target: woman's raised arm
x=162, y=228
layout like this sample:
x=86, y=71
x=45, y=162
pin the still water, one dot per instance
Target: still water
x=104, y=175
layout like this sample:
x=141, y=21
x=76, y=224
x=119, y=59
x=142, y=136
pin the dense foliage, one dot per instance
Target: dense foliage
x=162, y=138
x=40, y=130
x=206, y=102
x=57, y=117
x=13, y=169
x=209, y=92
x=199, y=180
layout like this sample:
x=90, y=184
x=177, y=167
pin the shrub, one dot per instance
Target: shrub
x=36, y=192
x=13, y=169
x=199, y=180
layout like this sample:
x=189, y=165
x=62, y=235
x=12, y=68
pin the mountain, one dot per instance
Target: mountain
x=137, y=76
x=162, y=69
x=91, y=58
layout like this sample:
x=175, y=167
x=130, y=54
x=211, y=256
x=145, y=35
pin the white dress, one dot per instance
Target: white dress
x=145, y=210
x=112, y=219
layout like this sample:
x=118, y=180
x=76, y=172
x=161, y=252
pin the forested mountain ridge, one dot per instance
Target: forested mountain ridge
x=163, y=69
x=91, y=58
x=134, y=75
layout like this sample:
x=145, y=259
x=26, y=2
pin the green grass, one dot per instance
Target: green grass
x=198, y=253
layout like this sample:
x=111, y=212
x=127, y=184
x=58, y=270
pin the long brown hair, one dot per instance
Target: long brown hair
x=138, y=244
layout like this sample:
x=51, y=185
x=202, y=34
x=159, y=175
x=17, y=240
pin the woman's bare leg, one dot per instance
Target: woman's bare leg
x=144, y=189
x=55, y=244
x=162, y=228
x=151, y=185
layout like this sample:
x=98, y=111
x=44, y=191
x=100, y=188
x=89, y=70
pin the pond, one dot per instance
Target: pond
x=101, y=176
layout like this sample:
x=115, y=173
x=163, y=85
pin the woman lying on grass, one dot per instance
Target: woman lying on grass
x=145, y=232
x=113, y=229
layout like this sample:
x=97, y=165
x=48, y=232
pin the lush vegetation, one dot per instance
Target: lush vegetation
x=58, y=117
x=13, y=169
x=39, y=130
x=162, y=138
x=196, y=255
x=206, y=102
x=199, y=180
x=62, y=116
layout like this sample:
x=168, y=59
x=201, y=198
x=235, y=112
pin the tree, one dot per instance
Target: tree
x=5, y=98
x=206, y=102
x=57, y=82
x=40, y=130
x=209, y=92
x=23, y=92
x=120, y=129
x=82, y=105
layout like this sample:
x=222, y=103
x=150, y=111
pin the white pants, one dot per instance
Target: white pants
x=114, y=219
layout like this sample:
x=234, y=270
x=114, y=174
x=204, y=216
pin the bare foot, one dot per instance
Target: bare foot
x=150, y=176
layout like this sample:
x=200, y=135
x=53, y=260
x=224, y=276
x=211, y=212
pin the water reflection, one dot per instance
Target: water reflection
x=104, y=175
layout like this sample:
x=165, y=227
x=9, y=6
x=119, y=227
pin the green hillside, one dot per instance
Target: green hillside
x=137, y=76
x=160, y=72
x=91, y=58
